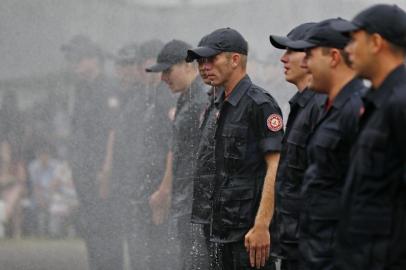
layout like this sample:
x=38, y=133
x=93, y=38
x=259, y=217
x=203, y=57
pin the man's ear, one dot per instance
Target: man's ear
x=376, y=42
x=335, y=57
x=235, y=60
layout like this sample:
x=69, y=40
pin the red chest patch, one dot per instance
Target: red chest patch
x=274, y=122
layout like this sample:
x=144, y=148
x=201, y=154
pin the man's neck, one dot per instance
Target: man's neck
x=302, y=84
x=339, y=81
x=383, y=68
x=232, y=82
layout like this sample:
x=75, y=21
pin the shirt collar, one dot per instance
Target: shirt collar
x=302, y=98
x=355, y=85
x=377, y=97
x=237, y=93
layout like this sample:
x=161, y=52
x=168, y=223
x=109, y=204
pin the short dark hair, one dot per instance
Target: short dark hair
x=343, y=53
x=397, y=49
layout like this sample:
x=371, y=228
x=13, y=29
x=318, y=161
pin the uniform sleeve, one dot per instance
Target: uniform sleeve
x=269, y=126
x=397, y=120
x=164, y=129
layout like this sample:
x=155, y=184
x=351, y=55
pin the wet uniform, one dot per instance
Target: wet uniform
x=91, y=122
x=139, y=162
x=203, y=185
x=304, y=112
x=206, y=163
x=185, y=142
x=248, y=126
x=373, y=229
x=328, y=161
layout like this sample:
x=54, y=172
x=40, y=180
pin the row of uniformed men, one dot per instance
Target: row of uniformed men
x=333, y=183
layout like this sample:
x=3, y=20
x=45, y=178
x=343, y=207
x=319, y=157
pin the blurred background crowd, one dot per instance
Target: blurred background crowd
x=52, y=50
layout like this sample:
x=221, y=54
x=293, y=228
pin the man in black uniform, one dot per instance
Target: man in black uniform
x=182, y=78
x=304, y=112
x=329, y=144
x=139, y=156
x=92, y=118
x=247, y=136
x=204, y=175
x=372, y=233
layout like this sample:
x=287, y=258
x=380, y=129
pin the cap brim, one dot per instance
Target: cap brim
x=300, y=45
x=158, y=67
x=201, y=52
x=343, y=26
x=279, y=42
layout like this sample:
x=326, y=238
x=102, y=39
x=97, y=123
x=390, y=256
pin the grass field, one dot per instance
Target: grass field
x=42, y=254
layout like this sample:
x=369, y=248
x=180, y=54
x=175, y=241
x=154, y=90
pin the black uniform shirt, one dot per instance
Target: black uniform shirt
x=303, y=117
x=205, y=172
x=305, y=108
x=374, y=197
x=328, y=156
x=185, y=142
x=249, y=126
x=128, y=129
x=140, y=151
x=91, y=122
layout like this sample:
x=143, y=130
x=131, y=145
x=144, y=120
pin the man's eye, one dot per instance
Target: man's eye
x=167, y=71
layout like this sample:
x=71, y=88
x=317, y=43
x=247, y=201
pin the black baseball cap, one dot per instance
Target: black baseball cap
x=221, y=40
x=202, y=41
x=127, y=55
x=150, y=49
x=172, y=53
x=79, y=47
x=387, y=20
x=297, y=33
x=321, y=35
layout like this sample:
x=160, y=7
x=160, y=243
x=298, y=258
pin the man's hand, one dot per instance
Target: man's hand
x=104, y=183
x=257, y=243
x=159, y=203
x=160, y=200
x=258, y=239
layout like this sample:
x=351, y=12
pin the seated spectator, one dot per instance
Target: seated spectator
x=41, y=175
x=63, y=203
x=53, y=196
x=12, y=186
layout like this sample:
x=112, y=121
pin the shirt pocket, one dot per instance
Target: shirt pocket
x=328, y=140
x=297, y=156
x=236, y=207
x=372, y=146
x=202, y=197
x=235, y=141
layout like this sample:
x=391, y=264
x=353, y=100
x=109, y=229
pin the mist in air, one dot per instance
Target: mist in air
x=42, y=222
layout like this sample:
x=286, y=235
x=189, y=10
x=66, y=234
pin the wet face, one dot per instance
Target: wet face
x=294, y=72
x=202, y=71
x=218, y=68
x=86, y=68
x=126, y=73
x=148, y=77
x=360, y=50
x=318, y=65
x=176, y=77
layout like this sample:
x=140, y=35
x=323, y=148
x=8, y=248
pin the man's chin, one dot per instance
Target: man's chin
x=214, y=83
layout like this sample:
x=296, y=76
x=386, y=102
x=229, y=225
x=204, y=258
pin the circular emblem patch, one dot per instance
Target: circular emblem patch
x=274, y=122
